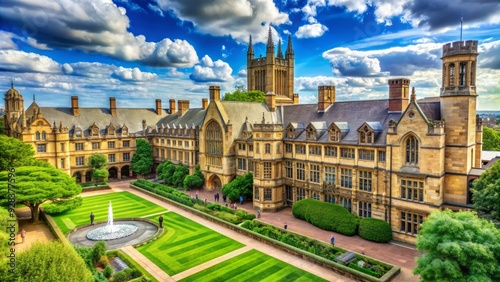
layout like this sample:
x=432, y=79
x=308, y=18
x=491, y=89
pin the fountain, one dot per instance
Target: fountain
x=111, y=231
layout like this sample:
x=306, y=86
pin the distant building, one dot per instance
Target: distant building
x=395, y=159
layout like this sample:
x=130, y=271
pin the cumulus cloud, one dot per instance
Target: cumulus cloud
x=210, y=71
x=6, y=40
x=93, y=26
x=19, y=61
x=236, y=18
x=489, y=55
x=311, y=30
x=134, y=74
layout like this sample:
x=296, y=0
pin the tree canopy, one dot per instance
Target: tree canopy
x=245, y=96
x=14, y=152
x=194, y=181
x=35, y=185
x=491, y=139
x=142, y=161
x=242, y=185
x=99, y=164
x=51, y=262
x=2, y=125
x=486, y=191
x=458, y=246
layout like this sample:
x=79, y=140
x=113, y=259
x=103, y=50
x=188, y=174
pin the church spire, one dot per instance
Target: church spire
x=289, y=48
x=270, y=43
x=250, y=46
x=280, y=52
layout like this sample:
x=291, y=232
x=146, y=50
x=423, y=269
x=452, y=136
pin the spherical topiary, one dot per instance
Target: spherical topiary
x=375, y=230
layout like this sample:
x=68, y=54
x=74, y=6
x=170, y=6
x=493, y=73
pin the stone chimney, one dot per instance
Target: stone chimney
x=214, y=93
x=399, y=94
x=172, y=106
x=204, y=103
x=326, y=97
x=74, y=106
x=158, y=107
x=112, y=106
x=295, y=98
x=271, y=101
x=183, y=106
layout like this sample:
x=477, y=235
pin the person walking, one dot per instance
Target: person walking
x=160, y=221
x=235, y=206
x=241, y=199
x=224, y=197
x=286, y=226
x=92, y=218
x=196, y=194
x=23, y=235
x=332, y=240
x=258, y=213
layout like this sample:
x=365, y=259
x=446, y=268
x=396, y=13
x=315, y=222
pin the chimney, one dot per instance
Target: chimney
x=295, y=98
x=183, y=106
x=74, y=106
x=204, y=103
x=326, y=97
x=271, y=101
x=172, y=106
x=158, y=107
x=112, y=106
x=399, y=89
x=214, y=93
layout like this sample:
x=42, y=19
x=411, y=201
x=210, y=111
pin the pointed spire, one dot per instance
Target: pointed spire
x=250, y=46
x=12, y=83
x=413, y=96
x=270, y=43
x=280, y=52
x=33, y=97
x=289, y=48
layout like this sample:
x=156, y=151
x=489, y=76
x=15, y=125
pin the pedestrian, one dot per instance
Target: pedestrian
x=196, y=194
x=286, y=226
x=258, y=213
x=23, y=234
x=224, y=197
x=160, y=221
x=215, y=197
x=218, y=196
x=92, y=218
x=332, y=240
x=205, y=201
x=235, y=206
x=241, y=199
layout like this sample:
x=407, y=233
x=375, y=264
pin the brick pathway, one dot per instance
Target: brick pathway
x=35, y=232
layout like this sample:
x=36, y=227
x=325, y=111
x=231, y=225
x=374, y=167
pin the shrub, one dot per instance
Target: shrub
x=245, y=215
x=103, y=261
x=108, y=271
x=229, y=217
x=364, y=270
x=375, y=230
x=62, y=206
x=98, y=250
x=326, y=216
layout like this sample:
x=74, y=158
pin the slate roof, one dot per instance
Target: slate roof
x=190, y=117
x=349, y=114
x=431, y=107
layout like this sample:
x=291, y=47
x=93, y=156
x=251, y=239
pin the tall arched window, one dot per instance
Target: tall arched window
x=213, y=142
x=44, y=135
x=452, y=75
x=463, y=72
x=411, y=150
x=37, y=136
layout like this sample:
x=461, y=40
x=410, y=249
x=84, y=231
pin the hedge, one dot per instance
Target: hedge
x=376, y=230
x=326, y=216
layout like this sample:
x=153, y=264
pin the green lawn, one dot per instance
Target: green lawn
x=253, y=266
x=186, y=244
x=124, y=204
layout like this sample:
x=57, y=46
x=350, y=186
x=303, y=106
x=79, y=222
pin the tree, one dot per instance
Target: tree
x=486, y=191
x=458, y=246
x=194, y=181
x=142, y=161
x=99, y=164
x=168, y=172
x=100, y=174
x=491, y=139
x=242, y=185
x=50, y=262
x=36, y=185
x=180, y=173
x=245, y=96
x=7, y=218
x=14, y=152
x=2, y=125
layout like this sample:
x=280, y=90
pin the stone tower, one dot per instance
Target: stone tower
x=14, y=110
x=458, y=109
x=272, y=73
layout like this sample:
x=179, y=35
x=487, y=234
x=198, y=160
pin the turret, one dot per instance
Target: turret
x=270, y=44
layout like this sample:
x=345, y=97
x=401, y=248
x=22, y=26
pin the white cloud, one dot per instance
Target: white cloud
x=134, y=74
x=19, y=61
x=210, y=71
x=311, y=30
x=6, y=40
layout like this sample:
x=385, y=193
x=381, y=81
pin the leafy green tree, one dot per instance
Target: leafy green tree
x=52, y=261
x=194, y=181
x=6, y=219
x=491, y=139
x=100, y=174
x=245, y=96
x=180, y=173
x=168, y=173
x=2, y=125
x=142, y=161
x=36, y=185
x=458, y=246
x=14, y=152
x=241, y=185
x=486, y=191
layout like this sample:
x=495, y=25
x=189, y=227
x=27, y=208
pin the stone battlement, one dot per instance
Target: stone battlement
x=460, y=47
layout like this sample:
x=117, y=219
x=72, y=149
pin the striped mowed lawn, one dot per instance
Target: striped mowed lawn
x=252, y=266
x=125, y=205
x=186, y=244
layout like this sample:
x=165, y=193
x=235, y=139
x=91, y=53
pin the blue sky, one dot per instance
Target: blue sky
x=138, y=50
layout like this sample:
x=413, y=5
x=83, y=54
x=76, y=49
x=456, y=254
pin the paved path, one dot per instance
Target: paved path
x=150, y=267
x=35, y=232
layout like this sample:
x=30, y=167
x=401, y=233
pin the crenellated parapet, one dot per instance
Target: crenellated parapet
x=460, y=47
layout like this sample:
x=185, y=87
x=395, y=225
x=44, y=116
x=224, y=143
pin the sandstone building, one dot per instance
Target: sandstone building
x=395, y=159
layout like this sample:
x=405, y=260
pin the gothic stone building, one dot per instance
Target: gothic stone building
x=395, y=159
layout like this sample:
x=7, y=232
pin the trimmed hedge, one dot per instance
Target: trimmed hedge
x=326, y=216
x=376, y=230
x=62, y=206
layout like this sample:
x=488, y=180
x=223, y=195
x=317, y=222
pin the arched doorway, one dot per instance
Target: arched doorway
x=78, y=177
x=214, y=183
x=113, y=173
x=88, y=176
x=125, y=172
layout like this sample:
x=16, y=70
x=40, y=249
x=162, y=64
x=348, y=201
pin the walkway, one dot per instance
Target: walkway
x=35, y=232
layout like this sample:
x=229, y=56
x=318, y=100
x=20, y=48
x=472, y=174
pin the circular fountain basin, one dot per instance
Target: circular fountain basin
x=113, y=232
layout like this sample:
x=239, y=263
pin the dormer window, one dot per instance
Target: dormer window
x=124, y=130
x=78, y=132
x=37, y=136
x=366, y=135
x=44, y=135
x=311, y=133
x=291, y=133
x=111, y=129
x=334, y=135
x=94, y=130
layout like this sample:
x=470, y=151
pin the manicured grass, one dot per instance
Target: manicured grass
x=124, y=204
x=186, y=244
x=252, y=266
x=138, y=267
